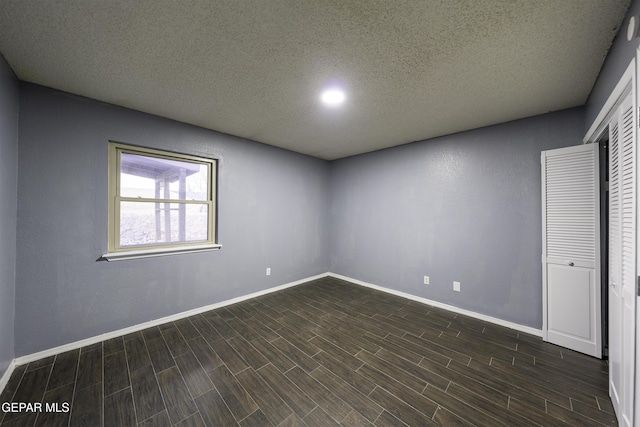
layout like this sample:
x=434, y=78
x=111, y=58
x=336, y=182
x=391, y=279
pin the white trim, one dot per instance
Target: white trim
x=148, y=253
x=636, y=381
x=7, y=374
x=604, y=116
x=500, y=322
x=88, y=341
x=543, y=257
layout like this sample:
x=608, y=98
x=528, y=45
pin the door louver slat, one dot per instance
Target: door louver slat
x=571, y=231
x=614, y=204
x=628, y=200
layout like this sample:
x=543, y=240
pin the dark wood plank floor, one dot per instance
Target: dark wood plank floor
x=325, y=353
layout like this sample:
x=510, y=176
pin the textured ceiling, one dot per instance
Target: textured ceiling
x=412, y=69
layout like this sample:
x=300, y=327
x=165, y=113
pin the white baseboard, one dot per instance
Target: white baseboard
x=88, y=341
x=500, y=322
x=7, y=374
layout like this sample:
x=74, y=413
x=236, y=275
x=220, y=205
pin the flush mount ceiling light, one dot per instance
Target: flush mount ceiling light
x=333, y=97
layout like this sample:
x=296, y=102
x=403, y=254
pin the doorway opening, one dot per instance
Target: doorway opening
x=603, y=143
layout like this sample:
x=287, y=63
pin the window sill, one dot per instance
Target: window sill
x=148, y=253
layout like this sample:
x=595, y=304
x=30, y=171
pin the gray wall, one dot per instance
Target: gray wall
x=465, y=207
x=9, y=102
x=615, y=64
x=272, y=213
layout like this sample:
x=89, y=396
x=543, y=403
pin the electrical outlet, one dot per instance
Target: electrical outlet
x=426, y=280
x=456, y=286
x=268, y=271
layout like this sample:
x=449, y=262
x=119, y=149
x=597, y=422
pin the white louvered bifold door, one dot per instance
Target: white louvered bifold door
x=571, y=253
x=622, y=260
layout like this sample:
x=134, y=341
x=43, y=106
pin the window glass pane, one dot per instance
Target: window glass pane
x=148, y=223
x=158, y=178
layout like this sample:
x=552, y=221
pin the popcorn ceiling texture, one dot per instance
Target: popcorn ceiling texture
x=412, y=69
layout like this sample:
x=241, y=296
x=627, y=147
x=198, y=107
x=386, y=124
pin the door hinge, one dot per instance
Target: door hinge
x=638, y=287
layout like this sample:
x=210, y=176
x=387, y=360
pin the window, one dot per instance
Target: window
x=159, y=202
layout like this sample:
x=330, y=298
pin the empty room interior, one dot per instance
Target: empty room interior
x=297, y=213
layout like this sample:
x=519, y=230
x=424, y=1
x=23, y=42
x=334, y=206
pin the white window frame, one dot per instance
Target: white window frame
x=115, y=250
